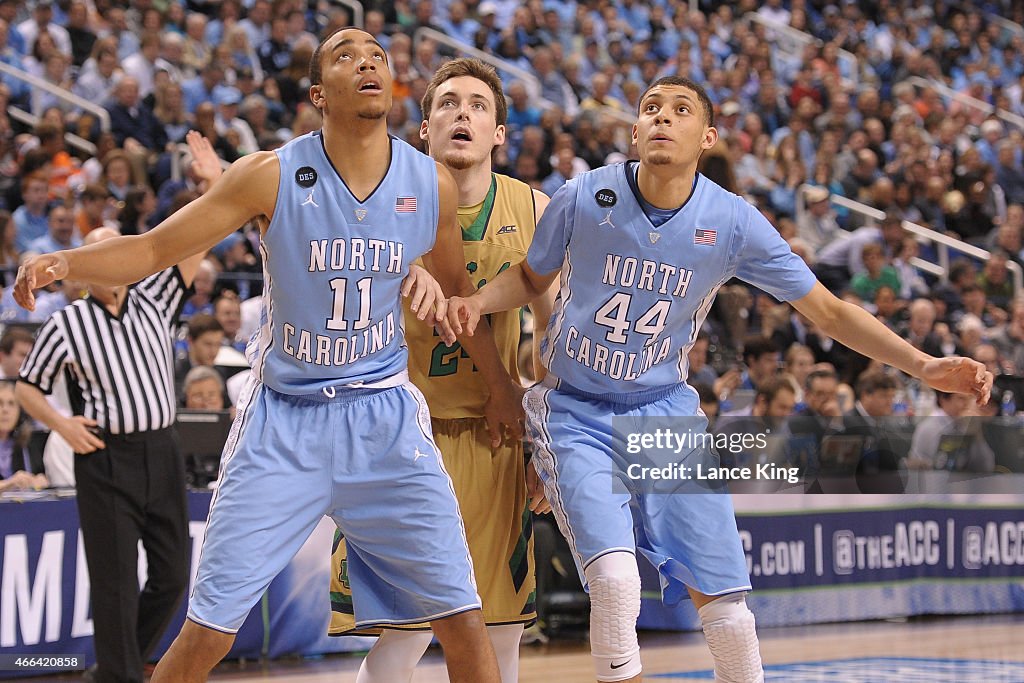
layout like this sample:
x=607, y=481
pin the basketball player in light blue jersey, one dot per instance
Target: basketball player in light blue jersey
x=329, y=424
x=641, y=249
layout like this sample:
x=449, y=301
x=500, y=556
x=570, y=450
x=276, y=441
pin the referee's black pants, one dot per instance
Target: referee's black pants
x=132, y=490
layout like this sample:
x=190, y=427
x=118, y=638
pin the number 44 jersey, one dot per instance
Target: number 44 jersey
x=334, y=266
x=634, y=294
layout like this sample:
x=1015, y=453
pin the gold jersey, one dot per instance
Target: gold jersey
x=496, y=235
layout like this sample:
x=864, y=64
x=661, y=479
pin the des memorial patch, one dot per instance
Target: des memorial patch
x=606, y=198
x=306, y=176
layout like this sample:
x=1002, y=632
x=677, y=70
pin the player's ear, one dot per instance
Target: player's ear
x=424, y=130
x=635, y=134
x=316, y=96
x=710, y=137
x=499, y=135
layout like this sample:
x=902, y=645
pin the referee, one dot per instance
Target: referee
x=115, y=347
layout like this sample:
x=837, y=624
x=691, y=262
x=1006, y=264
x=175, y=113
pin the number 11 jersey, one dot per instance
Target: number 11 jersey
x=334, y=266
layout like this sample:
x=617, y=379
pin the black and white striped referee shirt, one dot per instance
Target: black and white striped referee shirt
x=120, y=368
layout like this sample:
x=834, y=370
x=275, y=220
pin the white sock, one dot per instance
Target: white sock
x=505, y=639
x=729, y=630
x=393, y=658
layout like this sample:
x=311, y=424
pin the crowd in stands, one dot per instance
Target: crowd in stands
x=845, y=114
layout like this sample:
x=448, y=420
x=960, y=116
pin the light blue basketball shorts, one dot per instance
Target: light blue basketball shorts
x=689, y=535
x=365, y=457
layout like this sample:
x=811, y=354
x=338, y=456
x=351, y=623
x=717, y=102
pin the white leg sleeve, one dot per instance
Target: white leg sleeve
x=505, y=639
x=729, y=629
x=614, y=582
x=393, y=657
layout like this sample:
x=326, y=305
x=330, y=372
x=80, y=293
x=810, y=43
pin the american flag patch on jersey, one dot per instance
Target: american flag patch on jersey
x=405, y=205
x=703, y=236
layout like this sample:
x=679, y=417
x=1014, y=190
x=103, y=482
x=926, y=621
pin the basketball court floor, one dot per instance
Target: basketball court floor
x=932, y=650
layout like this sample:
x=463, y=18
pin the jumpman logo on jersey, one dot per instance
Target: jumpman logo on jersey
x=607, y=220
x=419, y=454
x=309, y=200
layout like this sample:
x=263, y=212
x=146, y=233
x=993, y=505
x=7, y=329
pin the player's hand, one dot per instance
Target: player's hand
x=35, y=272
x=76, y=432
x=958, y=375
x=504, y=413
x=464, y=314
x=205, y=162
x=535, y=492
x=426, y=298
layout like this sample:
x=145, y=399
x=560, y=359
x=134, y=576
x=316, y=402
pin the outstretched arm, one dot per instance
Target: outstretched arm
x=858, y=329
x=516, y=286
x=247, y=189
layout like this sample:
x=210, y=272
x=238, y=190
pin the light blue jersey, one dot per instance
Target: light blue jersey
x=334, y=267
x=632, y=295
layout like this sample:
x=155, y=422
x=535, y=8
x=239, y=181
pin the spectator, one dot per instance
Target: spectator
x=227, y=310
x=951, y=439
x=80, y=34
x=61, y=234
x=709, y=404
x=994, y=279
x=97, y=84
x=273, y=56
x=30, y=220
x=227, y=100
x=204, y=389
x=15, y=466
x=840, y=260
x=205, y=337
x=169, y=110
x=1010, y=340
x=817, y=226
x=201, y=301
x=15, y=344
x=42, y=22
x=761, y=358
x=797, y=365
x=196, y=51
x=1008, y=171
x=257, y=22
x=131, y=120
x=877, y=274
x=142, y=65
x=9, y=254
x=199, y=89
x=138, y=214
x=920, y=329
x=117, y=174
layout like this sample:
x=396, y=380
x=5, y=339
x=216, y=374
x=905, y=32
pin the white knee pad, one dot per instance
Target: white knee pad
x=729, y=629
x=394, y=656
x=614, y=582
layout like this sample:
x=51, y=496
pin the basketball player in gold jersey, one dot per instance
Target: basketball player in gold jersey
x=465, y=113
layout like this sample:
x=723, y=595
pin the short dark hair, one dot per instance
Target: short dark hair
x=820, y=374
x=755, y=347
x=771, y=388
x=14, y=335
x=871, y=382
x=680, y=81
x=705, y=393
x=474, y=68
x=201, y=323
x=315, y=72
